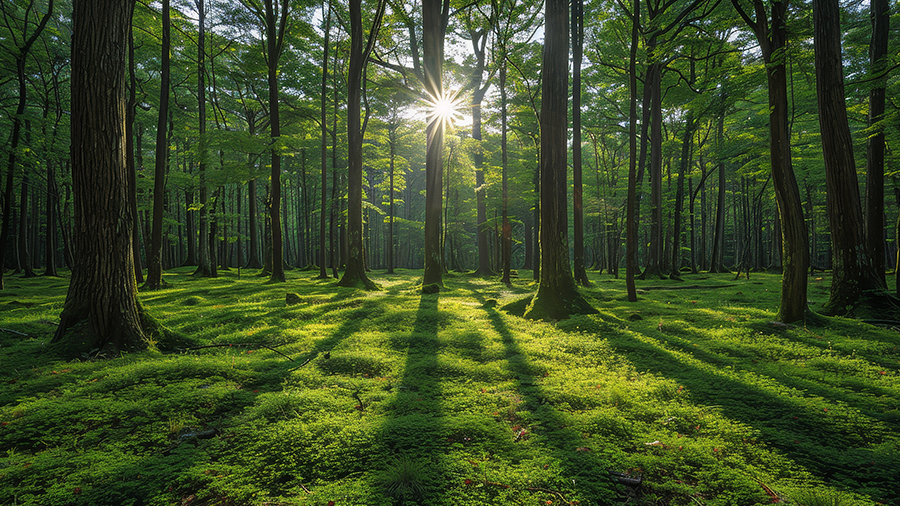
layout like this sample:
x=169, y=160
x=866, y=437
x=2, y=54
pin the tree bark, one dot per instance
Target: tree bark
x=102, y=291
x=853, y=271
x=557, y=296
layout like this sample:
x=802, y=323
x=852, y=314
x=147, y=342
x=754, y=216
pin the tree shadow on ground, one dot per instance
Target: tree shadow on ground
x=839, y=447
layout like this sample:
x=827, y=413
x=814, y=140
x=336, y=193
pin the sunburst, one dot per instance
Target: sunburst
x=444, y=108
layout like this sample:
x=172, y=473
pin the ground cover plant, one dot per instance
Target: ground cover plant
x=308, y=393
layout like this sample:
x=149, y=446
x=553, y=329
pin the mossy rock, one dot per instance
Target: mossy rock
x=292, y=299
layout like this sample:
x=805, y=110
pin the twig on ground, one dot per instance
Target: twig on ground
x=11, y=331
x=239, y=344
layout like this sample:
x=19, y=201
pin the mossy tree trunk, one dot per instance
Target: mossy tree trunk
x=102, y=292
x=557, y=296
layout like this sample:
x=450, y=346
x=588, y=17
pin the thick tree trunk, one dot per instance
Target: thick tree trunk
x=557, y=296
x=878, y=48
x=853, y=271
x=154, y=258
x=102, y=291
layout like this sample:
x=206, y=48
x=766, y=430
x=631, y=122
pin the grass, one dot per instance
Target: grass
x=451, y=399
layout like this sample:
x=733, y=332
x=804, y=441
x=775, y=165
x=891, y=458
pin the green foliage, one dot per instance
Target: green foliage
x=395, y=397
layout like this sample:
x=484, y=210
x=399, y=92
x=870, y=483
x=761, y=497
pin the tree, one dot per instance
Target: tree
x=631, y=239
x=102, y=292
x=323, y=274
x=204, y=260
x=557, y=296
x=435, y=14
x=772, y=36
x=478, y=37
x=853, y=270
x=154, y=256
x=20, y=51
x=577, y=197
x=355, y=273
x=878, y=50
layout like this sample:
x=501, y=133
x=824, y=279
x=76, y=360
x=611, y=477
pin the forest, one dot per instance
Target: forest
x=449, y=252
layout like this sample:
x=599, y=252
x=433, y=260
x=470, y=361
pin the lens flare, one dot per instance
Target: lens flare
x=444, y=108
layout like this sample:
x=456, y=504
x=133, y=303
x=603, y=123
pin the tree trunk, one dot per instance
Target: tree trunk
x=689, y=127
x=506, y=228
x=102, y=291
x=557, y=296
x=355, y=273
x=434, y=21
x=205, y=264
x=631, y=202
x=577, y=196
x=878, y=48
x=481, y=231
x=253, y=224
x=654, y=257
x=274, y=40
x=853, y=271
x=24, y=229
x=154, y=258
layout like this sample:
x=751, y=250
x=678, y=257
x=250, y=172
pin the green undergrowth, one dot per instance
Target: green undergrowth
x=345, y=396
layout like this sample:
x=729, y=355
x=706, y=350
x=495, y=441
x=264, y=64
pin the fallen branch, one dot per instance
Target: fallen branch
x=11, y=331
x=240, y=344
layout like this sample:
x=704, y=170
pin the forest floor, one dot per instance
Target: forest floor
x=691, y=396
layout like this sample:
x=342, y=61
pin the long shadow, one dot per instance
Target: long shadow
x=737, y=357
x=818, y=440
x=586, y=467
x=415, y=422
